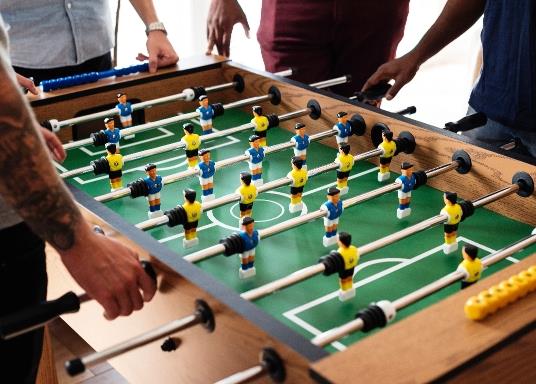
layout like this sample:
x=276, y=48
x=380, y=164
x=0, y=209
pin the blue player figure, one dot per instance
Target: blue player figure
x=113, y=134
x=124, y=109
x=407, y=183
x=154, y=185
x=256, y=156
x=206, y=168
x=333, y=208
x=206, y=113
x=343, y=128
x=250, y=240
x=301, y=142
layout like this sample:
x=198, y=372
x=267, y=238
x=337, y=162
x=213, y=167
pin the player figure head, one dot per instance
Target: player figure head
x=450, y=198
x=150, y=170
x=300, y=129
x=344, y=149
x=342, y=117
x=344, y=240
x=245, y=178
x=109, y=123
x=333, y=195
x=111, y=148
x=247, y=225
x=189, y=195
x=255, y=141
x=257, y=110
x=387, y=136
x=469, y=252
x=203, y=101
x=296, y=162
x=122, y=98
x=188, y=128
x=204, y=155
x=406, y=169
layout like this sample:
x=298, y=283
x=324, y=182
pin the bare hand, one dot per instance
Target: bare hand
x=161, y=52
x=54, y=145
x=402, y=70
x=109, y=272
x=222, y=16
x=28, y=84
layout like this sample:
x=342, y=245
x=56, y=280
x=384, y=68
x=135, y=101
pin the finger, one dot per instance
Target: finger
x=226, y=42
x=142, y=57
x=28, y=84
x=153, y=62
x=395, y=88
x=373, y=80
x=135, y=297
x=218, y=40
x=245, y=25
x=211, y=42
x=147, y=286
x=111, y=307
x=123, y=298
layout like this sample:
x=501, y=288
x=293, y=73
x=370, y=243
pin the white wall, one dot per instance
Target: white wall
x=439, y=91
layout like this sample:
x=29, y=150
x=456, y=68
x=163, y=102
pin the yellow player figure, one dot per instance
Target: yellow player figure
x=261, y=124
x=471, y=265
x=115, y=163
x=454, y=212
x=191, y=142
x=248, y=194
x=299, y=176
x=193, y=211
x=345, y=161
x=388, y=148
x=350, y=255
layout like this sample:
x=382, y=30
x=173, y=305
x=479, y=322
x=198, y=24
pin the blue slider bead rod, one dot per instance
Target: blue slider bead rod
x=187, y=94
x=91, y=77
x=378, y=315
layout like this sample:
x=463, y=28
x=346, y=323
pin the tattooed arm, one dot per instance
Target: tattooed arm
x=107, y=270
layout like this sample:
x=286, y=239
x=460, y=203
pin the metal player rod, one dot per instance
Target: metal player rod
x=202, y=315
x=158, y=221
x=285, y=73
x=313, y=270
x=357, y=325
x=184, y=95
x=270, y=364
x=331, y=82
x=175, y=146
x=302, y=219
x=174, y=119
x=245, y=376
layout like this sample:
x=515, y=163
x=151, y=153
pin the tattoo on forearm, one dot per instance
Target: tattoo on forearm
x=30, y=183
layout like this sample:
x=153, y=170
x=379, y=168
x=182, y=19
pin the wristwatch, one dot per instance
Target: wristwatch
x=155, y=26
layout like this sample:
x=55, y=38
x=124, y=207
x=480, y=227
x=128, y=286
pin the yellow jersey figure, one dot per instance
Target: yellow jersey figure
x=115, y=163
x=454, y=212
x=350, y=255
x=345, y=161
x=260, y=123
x=298, y=177
x=248, y=194
x=192, y=210
x=191, y=142
x=471, y=265
x=388, y=148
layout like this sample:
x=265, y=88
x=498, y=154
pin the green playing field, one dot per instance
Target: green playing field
x=312, y=306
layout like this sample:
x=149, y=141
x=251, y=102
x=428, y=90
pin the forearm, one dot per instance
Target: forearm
x=146, y=10
x=456, y=18
x=30, y=184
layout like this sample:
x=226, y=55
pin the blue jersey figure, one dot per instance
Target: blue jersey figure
x=124, y=109
x=113, y=135
x=154, y=184
x=206, y=113
x=301, y=142
x=343, y=128
x=255, y=157
x=407, y=183
x=333, y=208
x=206, y=168
x=250, y=240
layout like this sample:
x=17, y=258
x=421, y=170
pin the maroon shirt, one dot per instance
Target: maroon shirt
x=323, y=39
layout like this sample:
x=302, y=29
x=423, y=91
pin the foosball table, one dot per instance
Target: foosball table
x=288, y=322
